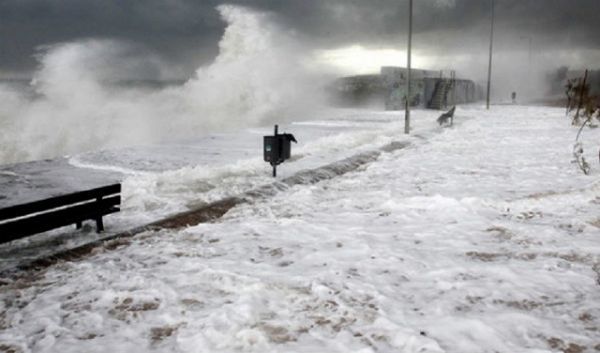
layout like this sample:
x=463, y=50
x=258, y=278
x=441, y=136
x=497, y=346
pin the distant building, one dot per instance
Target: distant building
x=359, y=90
x=429, y=89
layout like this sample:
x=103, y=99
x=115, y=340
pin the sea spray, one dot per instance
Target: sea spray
x=258, y=77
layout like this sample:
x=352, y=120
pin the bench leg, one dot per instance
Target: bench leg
x=78, y=225
x=99, y=225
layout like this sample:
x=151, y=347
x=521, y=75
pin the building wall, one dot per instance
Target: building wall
x=358, y=91
x=461, y=91
x=394, y=82
x=389, y=87
x=423, y=88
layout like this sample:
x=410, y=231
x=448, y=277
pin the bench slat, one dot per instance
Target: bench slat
x=59, y=201
x=54, y=219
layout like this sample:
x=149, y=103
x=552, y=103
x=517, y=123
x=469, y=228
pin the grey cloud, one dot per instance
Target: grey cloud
x=177, y=29
x=186, y=32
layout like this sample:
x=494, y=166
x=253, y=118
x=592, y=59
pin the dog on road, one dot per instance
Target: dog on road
x=449, y=115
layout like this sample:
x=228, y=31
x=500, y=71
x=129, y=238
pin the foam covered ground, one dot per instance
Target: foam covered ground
x=481, y=238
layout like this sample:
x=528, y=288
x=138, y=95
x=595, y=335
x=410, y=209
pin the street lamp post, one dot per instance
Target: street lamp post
x=408, y=74
x=489, y=82
x=529, y=66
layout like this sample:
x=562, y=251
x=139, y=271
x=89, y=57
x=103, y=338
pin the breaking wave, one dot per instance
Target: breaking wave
x=258, y=77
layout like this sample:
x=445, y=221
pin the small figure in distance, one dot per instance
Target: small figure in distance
x=449, y=115
x=513, y=96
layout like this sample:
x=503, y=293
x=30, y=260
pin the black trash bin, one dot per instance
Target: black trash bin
x=277, y=149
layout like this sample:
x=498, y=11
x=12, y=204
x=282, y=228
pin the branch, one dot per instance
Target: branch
x=578, y=150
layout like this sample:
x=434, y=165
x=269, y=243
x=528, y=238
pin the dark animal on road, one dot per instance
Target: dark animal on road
x=449, y=115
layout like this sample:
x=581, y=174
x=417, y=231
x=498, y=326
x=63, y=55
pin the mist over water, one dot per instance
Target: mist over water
x=257, y=78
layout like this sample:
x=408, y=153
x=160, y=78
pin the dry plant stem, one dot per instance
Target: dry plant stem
x=581, y=162
x=587, y=121
x=576, y=119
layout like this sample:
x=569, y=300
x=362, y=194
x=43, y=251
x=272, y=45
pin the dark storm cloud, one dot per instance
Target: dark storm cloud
x=186, y=32
x=383, y=22
x=177, y=29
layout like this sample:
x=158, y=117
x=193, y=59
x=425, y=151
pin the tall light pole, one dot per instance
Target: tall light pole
x=529, y=67
x=408, y=74
x=489, y=82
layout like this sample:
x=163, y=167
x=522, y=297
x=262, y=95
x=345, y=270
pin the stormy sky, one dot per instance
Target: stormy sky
x=185, y=33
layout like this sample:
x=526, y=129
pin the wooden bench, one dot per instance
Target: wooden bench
x=23, y=220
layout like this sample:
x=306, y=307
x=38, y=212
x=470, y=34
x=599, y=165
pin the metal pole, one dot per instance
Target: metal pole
x=453, y=85
x=529, y=90
x=530, y=73
x=275, y=164
x=408, y=75
x=530, y=51
x=489, y=82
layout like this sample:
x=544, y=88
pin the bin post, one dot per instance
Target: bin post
x=277, y=149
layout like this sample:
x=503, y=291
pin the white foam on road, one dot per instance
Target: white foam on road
x=483, y=239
